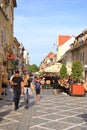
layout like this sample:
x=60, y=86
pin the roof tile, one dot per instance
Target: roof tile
x=62, y=39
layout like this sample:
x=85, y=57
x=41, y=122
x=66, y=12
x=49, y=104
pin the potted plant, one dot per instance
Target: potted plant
x=77, y=88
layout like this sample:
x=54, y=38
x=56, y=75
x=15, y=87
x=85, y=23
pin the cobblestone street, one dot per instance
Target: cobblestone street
x=60, y=112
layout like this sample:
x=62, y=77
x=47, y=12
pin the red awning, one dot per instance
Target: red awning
x=12, y=56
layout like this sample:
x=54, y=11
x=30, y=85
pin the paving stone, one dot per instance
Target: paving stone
x=37, y=121
x=74, y=120
x=53, y=116
x=60, y=112
x=78, y=128
x=57, y=125
x=40, y=128
x=10, y=126
x=67, y=113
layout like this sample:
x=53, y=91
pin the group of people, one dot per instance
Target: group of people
x=63, y=84
x=24, y=85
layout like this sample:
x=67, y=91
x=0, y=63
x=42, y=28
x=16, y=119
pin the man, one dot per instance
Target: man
x=17, y=82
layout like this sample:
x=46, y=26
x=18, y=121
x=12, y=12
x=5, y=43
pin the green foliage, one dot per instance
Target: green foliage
x=77, y=70
x=63, y=71
x=33, y=68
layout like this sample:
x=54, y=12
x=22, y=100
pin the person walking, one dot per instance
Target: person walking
x=38, y=88
x=27, y=90
x=17, y=82
x=56, y=85
x=4, y=83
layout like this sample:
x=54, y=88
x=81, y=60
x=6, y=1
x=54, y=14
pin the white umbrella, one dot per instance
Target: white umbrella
x=53, y=68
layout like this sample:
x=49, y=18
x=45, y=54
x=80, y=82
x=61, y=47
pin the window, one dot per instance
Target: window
x=82, y=56
x=7, y=37
x=2, y=38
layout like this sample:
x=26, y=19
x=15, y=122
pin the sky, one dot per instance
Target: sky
x=37, y=24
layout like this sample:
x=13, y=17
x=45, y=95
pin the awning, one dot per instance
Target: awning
x=53, y=68
x=10, y=55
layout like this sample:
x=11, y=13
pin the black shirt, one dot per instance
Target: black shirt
x=17, y=80
x=28, y=83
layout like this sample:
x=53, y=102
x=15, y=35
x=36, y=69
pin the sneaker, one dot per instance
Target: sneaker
x=15, y=108
x=64, y=93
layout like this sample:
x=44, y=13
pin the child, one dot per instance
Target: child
x=37, y=89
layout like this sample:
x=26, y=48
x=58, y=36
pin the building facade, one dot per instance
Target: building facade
x=77, y=51
x=49, y=60
x=64, y=42
x=6, y=34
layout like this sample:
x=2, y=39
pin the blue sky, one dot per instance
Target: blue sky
x=37, y=23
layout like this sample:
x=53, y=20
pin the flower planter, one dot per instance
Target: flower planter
x=77, y=90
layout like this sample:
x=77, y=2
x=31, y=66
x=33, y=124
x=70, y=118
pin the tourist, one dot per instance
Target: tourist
x=17, y=82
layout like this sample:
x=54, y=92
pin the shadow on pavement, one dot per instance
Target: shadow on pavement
x=84, y=116
x=32, y=102
x=3, y=114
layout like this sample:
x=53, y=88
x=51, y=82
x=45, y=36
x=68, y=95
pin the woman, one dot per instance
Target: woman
x=56, y=85
x=27, y=90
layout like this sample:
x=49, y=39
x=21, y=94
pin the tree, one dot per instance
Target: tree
x=63, y=71
x=33, y=68
x=77, y=70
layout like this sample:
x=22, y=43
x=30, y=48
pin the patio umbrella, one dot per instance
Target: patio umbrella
x=53, y=68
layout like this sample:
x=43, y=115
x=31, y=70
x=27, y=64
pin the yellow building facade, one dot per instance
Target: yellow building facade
x=6, y=35
x=3, y=26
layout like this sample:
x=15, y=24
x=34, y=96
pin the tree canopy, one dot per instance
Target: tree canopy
x=63, y=71
x=33, y=68
x=77, y=70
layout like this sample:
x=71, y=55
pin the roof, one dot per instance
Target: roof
x=62, y=39
x=50, y=54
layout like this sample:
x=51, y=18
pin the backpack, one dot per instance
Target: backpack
x=37, y=84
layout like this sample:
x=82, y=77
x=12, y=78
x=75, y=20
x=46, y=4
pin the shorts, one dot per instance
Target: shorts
x=38, y=91
x=4, y=85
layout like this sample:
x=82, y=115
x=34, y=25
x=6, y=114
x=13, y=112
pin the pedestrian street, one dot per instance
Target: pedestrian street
x=53, y=112
x=60, y=112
